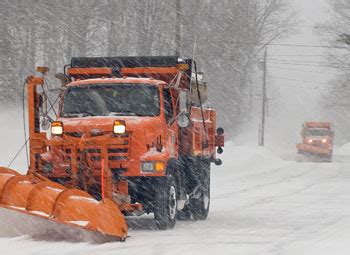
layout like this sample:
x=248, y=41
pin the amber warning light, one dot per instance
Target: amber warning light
x=119, y=127
x=57, y=128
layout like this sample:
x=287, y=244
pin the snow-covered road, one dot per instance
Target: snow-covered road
x=261, y=204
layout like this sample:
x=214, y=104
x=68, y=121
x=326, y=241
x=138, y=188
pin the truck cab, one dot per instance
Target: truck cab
x=129, y=130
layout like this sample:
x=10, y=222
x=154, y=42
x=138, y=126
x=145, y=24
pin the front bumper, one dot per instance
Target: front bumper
x=311, y=149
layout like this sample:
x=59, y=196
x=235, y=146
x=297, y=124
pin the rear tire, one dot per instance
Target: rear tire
x=184, y=214
x=165, y=210
x=200, y=206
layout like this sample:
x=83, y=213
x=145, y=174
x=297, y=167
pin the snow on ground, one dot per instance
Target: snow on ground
x=260, y=204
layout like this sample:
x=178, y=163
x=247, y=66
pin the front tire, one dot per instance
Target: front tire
x=165, y=210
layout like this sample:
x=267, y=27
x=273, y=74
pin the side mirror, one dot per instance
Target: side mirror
x=45, y=124
x=183, y=120
x=63, y=78
x=183, y=101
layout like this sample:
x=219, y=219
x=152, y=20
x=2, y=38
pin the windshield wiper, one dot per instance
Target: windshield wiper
x=79, y=114
x=127, y=113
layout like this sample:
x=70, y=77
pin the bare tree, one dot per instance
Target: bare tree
x=225, y=36
x=335, y=101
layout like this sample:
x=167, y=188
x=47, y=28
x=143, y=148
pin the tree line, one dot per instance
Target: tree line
x=335, y=101
x=226, y=37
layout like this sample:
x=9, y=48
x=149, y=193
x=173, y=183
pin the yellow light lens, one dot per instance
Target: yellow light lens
x=42, y=69
x=159, y=166
x=183, y=66
x=119, y=127
x=57, y=128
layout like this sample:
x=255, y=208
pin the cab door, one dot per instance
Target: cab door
x=172, y=136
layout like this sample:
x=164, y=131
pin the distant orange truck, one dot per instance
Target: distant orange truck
x=317, y=140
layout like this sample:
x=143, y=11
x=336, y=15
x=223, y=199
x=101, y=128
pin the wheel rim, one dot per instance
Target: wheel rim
x=172, y=202
x=206, y=201
x=205, y=195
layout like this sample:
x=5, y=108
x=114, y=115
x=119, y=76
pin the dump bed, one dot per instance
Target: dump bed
x=165, y=68
x=324, y=125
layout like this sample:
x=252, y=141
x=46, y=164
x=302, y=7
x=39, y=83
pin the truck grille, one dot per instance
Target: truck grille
x=318, y=144
x=116, y=153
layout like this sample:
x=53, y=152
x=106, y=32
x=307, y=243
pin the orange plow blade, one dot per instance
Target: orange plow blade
x=306, y=148
x=38, y=197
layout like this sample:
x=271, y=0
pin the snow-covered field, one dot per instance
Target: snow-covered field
x=260, y=204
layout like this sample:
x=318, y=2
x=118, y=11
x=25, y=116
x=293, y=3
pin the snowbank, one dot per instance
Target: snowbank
x=248, y=158
x=236, y=154
x=343, y=150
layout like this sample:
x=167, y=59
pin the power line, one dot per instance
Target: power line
x=303, y=81
x=308, y=46
x=302, y=70
x=307, y=63
x=322, y=63
x=300, y=64
x=281, y=44
x=299, y=55
x=296, y=61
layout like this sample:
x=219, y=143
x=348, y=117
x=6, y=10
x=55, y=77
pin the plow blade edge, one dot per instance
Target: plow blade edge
x=306, y=148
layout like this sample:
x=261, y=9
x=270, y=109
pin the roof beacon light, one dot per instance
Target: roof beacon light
x=42, y=69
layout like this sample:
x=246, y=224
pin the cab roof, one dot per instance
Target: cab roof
x=149, y=81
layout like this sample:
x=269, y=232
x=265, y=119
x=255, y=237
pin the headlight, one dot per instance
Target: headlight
x=324, y=140
x=147, y=167
x=57, y=128
x=182, y=66
x=310, y=141
x=152, y=166
x=119, y=127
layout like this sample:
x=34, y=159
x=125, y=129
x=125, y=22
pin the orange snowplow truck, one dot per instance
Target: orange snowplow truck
x=317, y=139
x=132, y=136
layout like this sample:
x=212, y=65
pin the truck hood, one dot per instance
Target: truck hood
x=318, y=138
x=105, y=124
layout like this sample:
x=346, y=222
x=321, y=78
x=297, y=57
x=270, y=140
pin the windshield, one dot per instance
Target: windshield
x=318, y=132
x=111, y=100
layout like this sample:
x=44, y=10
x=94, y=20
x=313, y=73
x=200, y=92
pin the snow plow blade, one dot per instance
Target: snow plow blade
x=37, y=196
x=309, y=149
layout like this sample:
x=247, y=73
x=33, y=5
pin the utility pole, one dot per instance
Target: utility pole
x=264, y=101
x=178, y=27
